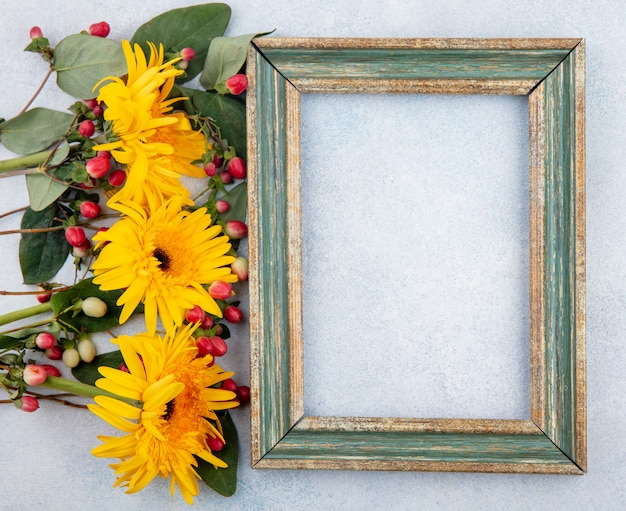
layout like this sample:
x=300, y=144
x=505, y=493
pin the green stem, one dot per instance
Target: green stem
x=30, y=325
x=9, y=317
x=24, y=162
x=81, y=389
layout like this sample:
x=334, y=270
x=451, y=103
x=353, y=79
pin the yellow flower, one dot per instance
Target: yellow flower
x=168, y=426
x=156, y=145
x=162, y=256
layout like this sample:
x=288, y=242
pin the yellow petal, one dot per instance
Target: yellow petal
x=113, y=420
x=117, y=407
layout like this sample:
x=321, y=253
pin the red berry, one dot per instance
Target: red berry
x=45, y=340
x=98, y=166
x=98, y=110
x=220, y=290
x=220, y=348
x=214, y=345
x=215, y=444
x=236, y=84
x=237, y=167
x=207, y=322
x=75, y=236
x=117, y=178
x=217, y=160
x=51, y=370
x=210, y=169
x=83, y=250
x=243, y=393
x=28, y=403
x=226, y=177
x=86, y=128
x=187, y=54
x=195, y=315
x=235, y=229
x=35, y=33
x=43, y=297
x=233, y=314
x=204, y=345
x=101, y=29
x=229, y=384
x=89, y=209
x=222, y=206
x=54, y=353
x=90, y=103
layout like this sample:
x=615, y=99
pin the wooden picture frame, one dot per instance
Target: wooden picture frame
x=551, y=73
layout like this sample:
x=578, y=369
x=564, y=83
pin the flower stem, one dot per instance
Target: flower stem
x=24, y=162
x=81, y=389
x=18, y=210
x=33, y=231
x=9, y=317
x=37, y=292
x=39, y=89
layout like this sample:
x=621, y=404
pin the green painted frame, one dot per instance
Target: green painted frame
x=551, y=73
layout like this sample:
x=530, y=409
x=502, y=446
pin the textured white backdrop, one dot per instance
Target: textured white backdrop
x=469, y=356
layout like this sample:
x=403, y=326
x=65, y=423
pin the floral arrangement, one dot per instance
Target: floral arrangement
x=108, y=190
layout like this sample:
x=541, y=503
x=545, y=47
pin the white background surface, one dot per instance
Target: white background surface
x=466, y=163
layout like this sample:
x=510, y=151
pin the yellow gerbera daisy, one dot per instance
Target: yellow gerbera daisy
x=145, y=128
x=162, y=256
x=172, y=419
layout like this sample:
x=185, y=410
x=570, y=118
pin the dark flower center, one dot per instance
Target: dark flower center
x=169, y=410
x=163, y=258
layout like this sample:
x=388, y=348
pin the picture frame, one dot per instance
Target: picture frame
x=550, y=72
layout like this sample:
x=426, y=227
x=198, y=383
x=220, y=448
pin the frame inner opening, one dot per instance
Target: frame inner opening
x=415, y=220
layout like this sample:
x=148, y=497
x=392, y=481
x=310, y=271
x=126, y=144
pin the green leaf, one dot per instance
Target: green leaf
x=237, y=197
x=223, y=480
x=188, y=27
x=43, y=191
x=41, y=254
x=88, y=373
x=34, y=130
x=10, y=343
x=226, y=57
x=227, y=111
x=81, y=61
x=84, y=289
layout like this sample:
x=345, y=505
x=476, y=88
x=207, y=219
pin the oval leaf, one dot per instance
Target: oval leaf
x=43, y=191
x=223, y=480
x=226, y=57
x=84, y=289
x=41, y=254
x=34, y=130
x=188, y=27
x=237, y=197
x=88, y=373
x=81, y=61
x=227, y=111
